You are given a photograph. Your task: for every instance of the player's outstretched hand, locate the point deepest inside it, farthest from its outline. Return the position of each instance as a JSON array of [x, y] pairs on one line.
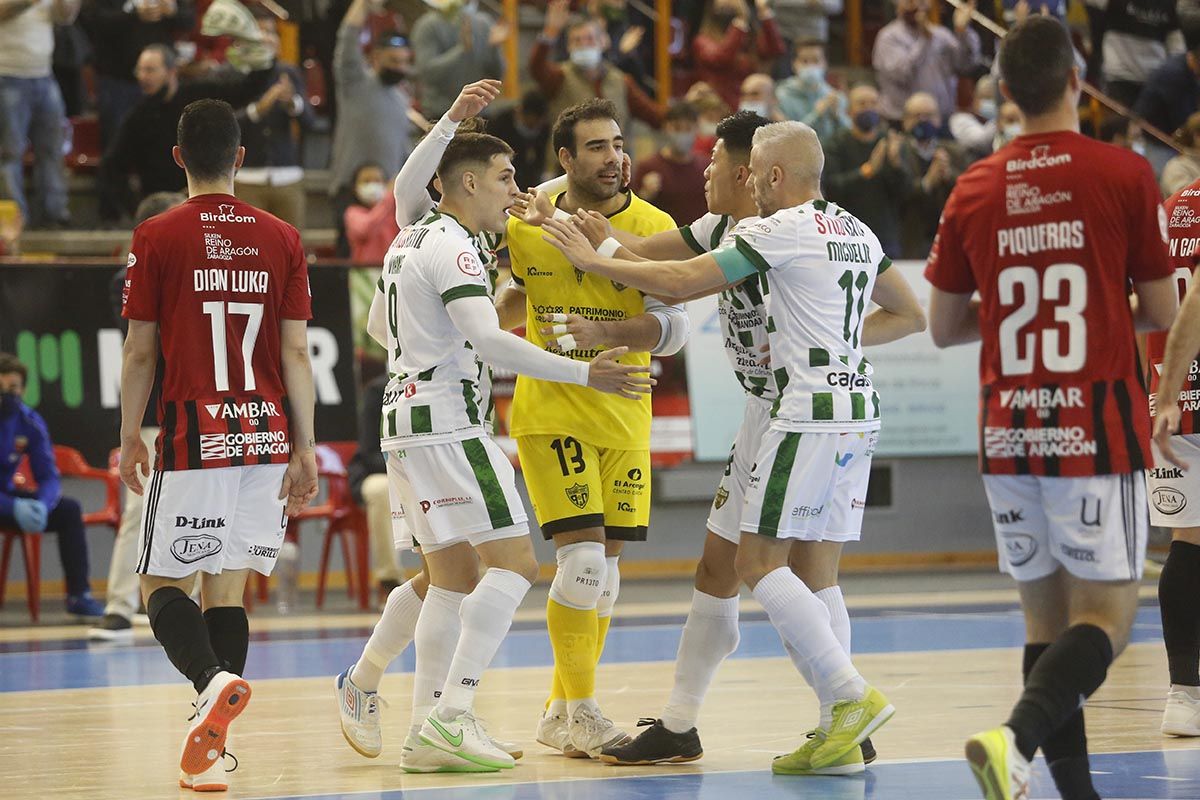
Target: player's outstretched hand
[[533, 207], [1166, 425], [135, 461], [572, 332], [627, 380], [595, 226], [473, 98], [571, 241], [299, 482]]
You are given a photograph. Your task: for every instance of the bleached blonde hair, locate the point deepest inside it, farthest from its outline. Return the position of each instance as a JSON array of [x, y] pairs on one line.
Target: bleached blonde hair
[[793, 146]]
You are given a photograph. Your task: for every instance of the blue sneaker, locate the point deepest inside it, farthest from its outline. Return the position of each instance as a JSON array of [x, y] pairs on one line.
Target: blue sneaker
[[84, 605]]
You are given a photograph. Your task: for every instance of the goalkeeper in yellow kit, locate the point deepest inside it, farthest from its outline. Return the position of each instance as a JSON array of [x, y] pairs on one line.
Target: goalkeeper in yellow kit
[[585, 456]]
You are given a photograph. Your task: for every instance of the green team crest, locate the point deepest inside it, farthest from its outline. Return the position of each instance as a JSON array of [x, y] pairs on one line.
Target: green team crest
[[578, 494]]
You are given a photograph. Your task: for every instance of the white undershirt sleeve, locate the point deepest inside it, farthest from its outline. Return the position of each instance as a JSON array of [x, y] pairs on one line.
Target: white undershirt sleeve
[[476, 318], [412, 196], [377, 319]]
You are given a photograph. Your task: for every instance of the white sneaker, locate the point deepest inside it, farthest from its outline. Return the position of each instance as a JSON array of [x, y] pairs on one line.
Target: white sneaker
[[1182, 715], [218, 705], [591, 731], [359, 711], [512, 748], [463, 737], [553, 731], [420, 757], [214, 779]]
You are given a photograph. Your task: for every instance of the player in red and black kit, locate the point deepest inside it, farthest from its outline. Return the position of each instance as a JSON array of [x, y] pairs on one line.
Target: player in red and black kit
[[222, 287], [1175, 489], [1050, 231]]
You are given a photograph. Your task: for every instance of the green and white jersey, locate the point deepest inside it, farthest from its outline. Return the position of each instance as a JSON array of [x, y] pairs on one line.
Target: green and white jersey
[[742, 308], [821, 263], [438, 390]]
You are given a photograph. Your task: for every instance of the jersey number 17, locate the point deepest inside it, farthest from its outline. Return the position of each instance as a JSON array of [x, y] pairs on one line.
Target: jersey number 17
[[216, 311]]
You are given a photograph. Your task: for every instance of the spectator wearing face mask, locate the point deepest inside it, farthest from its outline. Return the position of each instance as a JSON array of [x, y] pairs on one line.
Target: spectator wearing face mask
[[975, 130], [807, 96], [726, 48], [864, 173], [373, 103], [1184, 169], [758, 97], [1009, 124], [586, 75], [370, 219], [673, 178], [526, 128], [454, 44], [934, 164]]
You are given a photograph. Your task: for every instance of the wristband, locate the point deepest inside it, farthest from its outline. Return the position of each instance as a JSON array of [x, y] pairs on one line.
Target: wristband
[[608, 247]]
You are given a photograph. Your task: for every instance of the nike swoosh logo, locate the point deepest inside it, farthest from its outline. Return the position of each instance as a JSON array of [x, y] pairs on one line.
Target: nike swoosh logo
[[455, 741]]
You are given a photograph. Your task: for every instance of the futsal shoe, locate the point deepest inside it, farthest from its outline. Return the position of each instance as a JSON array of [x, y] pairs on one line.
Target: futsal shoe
[[999, 768], [853, 721], [419, 757], [799, 762], [113, 628], [658, 744], [463, 737], [218, 705], [591, 731], [214, 779], [554, 732], [1182, 715], [359, 711]]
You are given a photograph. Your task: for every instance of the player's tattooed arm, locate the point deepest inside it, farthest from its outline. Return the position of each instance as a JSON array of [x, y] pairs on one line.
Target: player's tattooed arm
[[953, 318], [138, 363]]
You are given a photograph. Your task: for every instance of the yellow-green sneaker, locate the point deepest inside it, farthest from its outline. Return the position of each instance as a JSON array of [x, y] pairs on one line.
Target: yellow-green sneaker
[[799, 762], [853, 721], [1000, 769]]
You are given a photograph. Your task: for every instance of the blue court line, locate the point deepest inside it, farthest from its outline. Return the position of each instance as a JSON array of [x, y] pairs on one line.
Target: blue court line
[[1147, 775], [106, 665]]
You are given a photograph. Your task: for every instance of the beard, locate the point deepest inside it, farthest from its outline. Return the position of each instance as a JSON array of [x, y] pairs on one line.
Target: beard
[[595, 189]]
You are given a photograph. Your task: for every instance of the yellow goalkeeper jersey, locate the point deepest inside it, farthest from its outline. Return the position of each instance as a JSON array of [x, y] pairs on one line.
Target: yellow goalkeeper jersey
[[554, 286]]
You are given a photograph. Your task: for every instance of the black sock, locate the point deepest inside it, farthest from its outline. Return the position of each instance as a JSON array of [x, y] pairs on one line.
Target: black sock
[[229, 633], [179, 626], [1071, 669], [1178, 589], [1065, 749]]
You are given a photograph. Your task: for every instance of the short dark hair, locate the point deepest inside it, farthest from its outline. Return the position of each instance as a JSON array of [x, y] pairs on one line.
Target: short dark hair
[[169, 56], [10, 363], [564, 126], [468, 149], [1036, 59], [737, 131], [209, 136], [681, 110], [154, 204], [534, 103]]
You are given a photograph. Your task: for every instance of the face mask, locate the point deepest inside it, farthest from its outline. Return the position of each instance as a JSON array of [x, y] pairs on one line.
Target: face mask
[[1011, 131], [812, 75], [924, 130], [8, 403], [866, 120], [390, 77], [586, 57], [370, 193], [987, 109], [755, 107], [682, 142], [1138, 147]]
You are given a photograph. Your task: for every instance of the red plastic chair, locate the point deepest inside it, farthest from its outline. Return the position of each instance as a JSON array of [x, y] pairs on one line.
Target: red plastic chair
[[31, 552], [72, 464]]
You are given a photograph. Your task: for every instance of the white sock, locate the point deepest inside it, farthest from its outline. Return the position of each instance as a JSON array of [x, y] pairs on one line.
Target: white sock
[[487, 614], [803, 622], [709, 636], [393, 633], [839, 622], [437, 634]]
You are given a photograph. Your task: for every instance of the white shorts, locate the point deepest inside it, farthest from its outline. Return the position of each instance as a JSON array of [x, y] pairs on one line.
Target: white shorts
[[212, 520], [809, 486], [725, 517], [1096, 527], [454, 492], [1175, 494]]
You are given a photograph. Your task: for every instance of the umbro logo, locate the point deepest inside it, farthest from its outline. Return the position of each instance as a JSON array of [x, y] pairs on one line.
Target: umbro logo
[[853, 718]]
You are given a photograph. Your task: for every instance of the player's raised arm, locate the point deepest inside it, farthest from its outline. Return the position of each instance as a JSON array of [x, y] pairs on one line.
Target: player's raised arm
[[696, 276], [899, 313]]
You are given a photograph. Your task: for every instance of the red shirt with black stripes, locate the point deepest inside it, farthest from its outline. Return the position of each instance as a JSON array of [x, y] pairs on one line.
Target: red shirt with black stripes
[[1183, 228], [219, 276], [1050, 231]]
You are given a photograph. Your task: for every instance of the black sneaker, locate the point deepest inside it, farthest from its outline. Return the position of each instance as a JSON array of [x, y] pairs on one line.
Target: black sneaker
[[113, 628], [655, 745], [868, 751]]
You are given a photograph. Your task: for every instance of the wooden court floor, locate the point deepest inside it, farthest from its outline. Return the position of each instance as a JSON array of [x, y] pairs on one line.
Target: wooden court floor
[[949, 670]]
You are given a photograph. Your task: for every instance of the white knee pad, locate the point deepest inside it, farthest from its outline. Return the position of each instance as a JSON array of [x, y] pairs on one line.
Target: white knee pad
[[612, 587], [581, 575]]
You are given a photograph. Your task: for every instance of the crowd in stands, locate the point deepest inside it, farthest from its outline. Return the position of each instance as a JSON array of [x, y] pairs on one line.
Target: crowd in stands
[[896, 134]]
